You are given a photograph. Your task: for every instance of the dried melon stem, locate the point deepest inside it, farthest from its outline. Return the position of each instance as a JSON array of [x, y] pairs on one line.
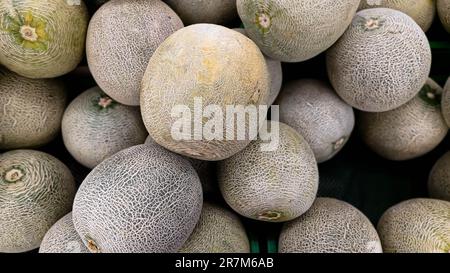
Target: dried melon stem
[[430, 95], [105, 102], [92, 246], [29, 33], [338, 144], [13, 175], [270, 215]]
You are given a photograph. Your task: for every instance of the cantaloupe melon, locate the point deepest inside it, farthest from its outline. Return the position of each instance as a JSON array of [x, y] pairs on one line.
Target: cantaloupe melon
[[31, 110], [63, 238], [439, 180], [381, 62], [422, 11], [330, 226], [36, 190], [207, 63], [121, 38], [142, 199], [446, 102], [409, 131], [273, 186], [313, 109], [95, 127], [443, 9], [296, 30], [416, 226], [204, 11], [205, 171], [217, 231], [42, 39], [275, 72]]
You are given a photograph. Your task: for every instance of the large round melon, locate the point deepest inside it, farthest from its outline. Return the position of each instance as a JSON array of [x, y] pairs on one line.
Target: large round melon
[[446, 102], [204, 11], [416, 226], [121, 38], [275, 73], [439, 180], [313, 109], [274, 186], [205, 171], [330, 226], [36, 190], [95, 127], [217, 231], [31, 110], [381, 62], [422, 11], [296, 30], [409, 131], [142, 199], [443, 9], [198, 66], [42, 39], [63, 238]]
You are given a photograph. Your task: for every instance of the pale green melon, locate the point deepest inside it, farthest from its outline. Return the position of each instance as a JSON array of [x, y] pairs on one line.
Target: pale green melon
[[409, 131], [95, 127], [204, 11], [439, 180], [42, 39], [296, 30], [446, 102], [313, 109], [31, 110], [212, 65], [275, 72], [36, 190], [443, 9], [381, 62], [142, 199], [422, 11], [63, 238], [416, 226], [271, 185], [217, 231], [121, 38], [330, 226]]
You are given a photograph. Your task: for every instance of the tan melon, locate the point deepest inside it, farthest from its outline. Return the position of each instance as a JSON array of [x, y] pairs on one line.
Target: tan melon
[[204, 11], [443, 9], [121, 38], [36, 190], [446, 102], [142, 199], [416, 226], [32, 110], [63, 238], [209, 63], [42, 39], [296, 30], [330, 226], [381, 62], [409, 131], [275, 72], [439, 180], [313, 109], [273, 186], [217, 231], [422, 11], [95, 127]]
